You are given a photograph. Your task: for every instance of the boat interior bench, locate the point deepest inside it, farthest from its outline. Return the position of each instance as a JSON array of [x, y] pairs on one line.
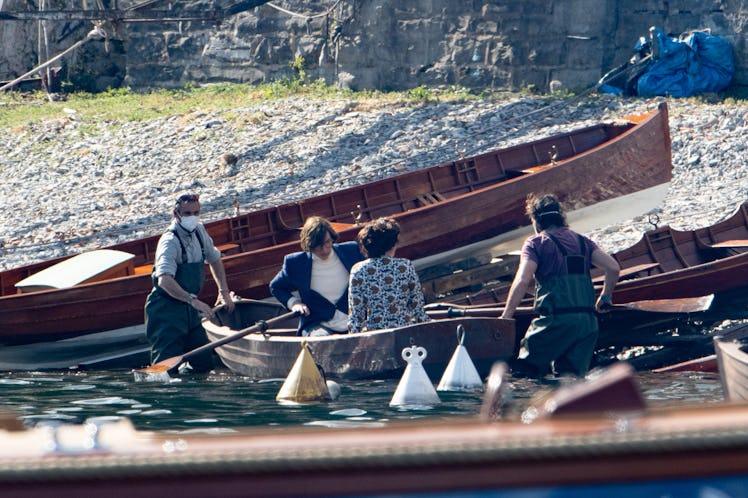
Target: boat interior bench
[[726, 244], [227, 249], [629, 272]]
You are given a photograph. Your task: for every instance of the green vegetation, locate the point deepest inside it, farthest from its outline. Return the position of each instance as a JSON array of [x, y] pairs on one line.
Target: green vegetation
[[20, 110]]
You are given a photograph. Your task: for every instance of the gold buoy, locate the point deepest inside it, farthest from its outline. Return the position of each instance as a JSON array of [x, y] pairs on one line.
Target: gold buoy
[[304, 382]]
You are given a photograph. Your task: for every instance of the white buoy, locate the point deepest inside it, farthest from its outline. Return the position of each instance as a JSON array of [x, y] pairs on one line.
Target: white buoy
[[461, 374], [415, 387], [333, 388], [304, 382]]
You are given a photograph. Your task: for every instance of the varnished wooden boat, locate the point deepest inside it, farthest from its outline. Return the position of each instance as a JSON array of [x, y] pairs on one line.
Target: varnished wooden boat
[[620, 451], [708, 362], [665, 264], [367, 355], [732, 362], [440, 208]]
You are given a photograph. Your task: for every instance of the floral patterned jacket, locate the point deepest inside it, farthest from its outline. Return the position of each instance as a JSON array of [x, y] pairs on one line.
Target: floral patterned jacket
[[384, 292]]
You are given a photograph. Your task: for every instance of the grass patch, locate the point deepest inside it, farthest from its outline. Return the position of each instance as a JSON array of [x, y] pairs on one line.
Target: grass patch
[[18, 111]]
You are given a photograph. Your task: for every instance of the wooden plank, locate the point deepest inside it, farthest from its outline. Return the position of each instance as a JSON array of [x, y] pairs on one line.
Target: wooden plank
[[631, 270], [83, 268], [339, 227], [228, 248], [728, 244], [143, 269], [440, 270], [475, 278]]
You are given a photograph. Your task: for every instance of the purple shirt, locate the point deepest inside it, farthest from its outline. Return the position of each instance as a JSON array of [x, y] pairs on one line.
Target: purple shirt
[[541, 249]]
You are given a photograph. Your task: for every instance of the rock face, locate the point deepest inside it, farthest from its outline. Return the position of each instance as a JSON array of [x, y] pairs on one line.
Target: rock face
[[370, 44]]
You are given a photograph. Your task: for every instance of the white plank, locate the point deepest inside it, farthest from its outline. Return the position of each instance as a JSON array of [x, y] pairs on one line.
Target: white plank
[[75, 270]]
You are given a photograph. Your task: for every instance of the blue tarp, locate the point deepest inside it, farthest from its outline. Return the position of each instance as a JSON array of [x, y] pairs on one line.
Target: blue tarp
[[696, 63]]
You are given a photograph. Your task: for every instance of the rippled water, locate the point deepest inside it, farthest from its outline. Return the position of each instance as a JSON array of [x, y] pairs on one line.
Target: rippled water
[[222, 401]]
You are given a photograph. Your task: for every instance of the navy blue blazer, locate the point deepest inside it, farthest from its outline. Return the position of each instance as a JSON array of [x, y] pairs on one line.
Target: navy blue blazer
[[296, 275]]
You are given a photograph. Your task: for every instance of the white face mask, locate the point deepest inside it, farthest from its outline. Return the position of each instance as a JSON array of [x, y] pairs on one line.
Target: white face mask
[[189, 223]]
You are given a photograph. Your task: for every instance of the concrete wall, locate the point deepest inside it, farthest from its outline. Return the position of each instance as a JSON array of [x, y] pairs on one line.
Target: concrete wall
[[382, 44]]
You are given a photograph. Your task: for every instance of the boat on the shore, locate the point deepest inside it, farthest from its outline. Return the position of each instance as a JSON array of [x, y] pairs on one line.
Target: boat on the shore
[[375, 354], [441, 209], [665, 264], [594, 438]]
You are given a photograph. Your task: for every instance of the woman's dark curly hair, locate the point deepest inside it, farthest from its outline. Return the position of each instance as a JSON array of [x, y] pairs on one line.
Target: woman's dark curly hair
[[545, 211], [313, 233], [378, 236]]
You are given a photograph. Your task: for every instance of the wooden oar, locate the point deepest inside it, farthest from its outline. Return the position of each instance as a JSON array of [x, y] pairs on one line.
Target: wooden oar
[[680, 305], [169, 363]]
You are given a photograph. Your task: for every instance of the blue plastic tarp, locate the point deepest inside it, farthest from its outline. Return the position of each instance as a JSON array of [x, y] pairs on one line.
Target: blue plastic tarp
[[696, 63]]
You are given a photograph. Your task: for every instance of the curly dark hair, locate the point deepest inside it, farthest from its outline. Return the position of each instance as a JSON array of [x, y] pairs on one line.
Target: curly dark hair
[[378, 236], [545, 211], [313, 233]]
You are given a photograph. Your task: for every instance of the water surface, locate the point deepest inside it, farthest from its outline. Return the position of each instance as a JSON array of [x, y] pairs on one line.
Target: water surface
[[223, 401]]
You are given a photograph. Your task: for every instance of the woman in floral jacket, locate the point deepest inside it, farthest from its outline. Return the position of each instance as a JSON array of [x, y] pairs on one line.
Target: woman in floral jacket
[[384, 291]]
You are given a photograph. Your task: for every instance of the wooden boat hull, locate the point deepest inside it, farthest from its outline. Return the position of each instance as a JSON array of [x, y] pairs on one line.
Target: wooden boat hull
[[732, 362], [618, 453], [439, 208], [708, 362], [366, 355], [665, 264]]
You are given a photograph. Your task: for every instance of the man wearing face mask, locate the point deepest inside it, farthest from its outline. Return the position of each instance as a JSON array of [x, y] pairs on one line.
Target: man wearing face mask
[[172, 310]]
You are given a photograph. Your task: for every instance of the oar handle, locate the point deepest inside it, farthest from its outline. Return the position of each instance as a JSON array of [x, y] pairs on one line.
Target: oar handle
[[261, 325]]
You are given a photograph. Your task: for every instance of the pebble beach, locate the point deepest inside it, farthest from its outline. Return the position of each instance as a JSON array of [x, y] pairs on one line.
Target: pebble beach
[[71, 185]]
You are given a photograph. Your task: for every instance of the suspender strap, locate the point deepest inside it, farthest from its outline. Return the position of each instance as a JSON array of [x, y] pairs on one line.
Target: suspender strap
[[564, 252], [184, 250]]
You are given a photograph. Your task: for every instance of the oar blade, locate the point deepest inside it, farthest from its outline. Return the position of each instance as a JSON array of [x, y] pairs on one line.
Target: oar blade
[[158, 371], [681, 305]]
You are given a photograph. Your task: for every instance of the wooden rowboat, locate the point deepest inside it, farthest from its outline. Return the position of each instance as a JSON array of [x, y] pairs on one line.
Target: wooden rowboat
[[623, 451], [366, 355], [440, 209], [732, 362], [666, 264]]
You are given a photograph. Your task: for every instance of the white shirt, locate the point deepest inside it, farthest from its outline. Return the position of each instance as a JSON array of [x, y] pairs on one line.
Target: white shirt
[[330, 280]]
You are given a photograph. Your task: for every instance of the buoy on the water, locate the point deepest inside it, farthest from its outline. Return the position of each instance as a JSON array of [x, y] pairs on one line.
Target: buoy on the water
[[415, 387], [461, 374], [304, 382], [333, 388]]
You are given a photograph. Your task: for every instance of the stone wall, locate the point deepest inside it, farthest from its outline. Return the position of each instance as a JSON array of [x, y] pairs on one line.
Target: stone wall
[[380, 44]]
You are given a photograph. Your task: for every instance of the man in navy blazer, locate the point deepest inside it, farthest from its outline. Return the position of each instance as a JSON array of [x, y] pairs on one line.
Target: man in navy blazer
[[314, 282]]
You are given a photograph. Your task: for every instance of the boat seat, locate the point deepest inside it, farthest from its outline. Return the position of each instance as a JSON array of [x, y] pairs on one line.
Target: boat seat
[[339, 227], [228, 249], [727, 244], [630, 271], [92, 266], [536, 169], [143, 269]]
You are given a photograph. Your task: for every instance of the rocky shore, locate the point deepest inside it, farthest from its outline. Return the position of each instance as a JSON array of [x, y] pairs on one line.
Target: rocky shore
[[70, 185]]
